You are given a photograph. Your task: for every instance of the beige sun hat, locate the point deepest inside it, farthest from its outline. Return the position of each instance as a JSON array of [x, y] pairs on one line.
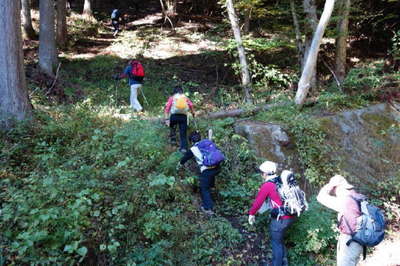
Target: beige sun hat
[[338, 180]]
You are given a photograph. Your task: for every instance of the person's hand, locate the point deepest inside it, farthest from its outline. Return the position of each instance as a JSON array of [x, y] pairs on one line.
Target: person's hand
[[167, 122], [252, 219]]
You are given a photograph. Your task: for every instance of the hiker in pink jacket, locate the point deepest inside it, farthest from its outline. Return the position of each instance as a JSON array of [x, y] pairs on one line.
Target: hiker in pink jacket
[[279, 224]]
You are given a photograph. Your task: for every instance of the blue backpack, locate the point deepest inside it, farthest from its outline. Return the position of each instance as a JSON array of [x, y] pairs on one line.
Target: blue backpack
[[370, 226], [115, 14], [212, 156]]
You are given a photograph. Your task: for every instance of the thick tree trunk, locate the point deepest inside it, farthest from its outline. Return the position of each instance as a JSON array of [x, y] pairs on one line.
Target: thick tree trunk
[[61, 23], [242, 54], [27, 29], [311, 62], [341, 40], [310, 9], [14, 103], [87, 9], [47, 38]]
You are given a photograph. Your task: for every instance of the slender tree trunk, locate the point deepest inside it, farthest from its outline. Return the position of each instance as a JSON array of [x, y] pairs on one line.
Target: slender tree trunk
[[61, 23], [341, 40], [87, 9], [242, 54], [246, 24], [171, 7], [299, 41], [311, 62], [310, 9], [27, 29], [14, 103], [47, 38]]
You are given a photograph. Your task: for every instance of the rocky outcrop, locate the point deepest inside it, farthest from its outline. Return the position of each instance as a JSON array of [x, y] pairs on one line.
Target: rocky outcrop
[[365, 143]]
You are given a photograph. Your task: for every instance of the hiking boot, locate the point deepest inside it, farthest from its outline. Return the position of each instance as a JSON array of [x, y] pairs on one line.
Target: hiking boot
[[208, 212], [183, 150]]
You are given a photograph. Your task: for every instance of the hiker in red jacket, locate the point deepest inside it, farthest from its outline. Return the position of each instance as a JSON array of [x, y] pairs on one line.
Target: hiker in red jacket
[[279, 224]]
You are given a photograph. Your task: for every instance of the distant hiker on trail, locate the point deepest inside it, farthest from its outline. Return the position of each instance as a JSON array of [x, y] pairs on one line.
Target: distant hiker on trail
[[279, 223], [176, 109], [208, 157], [135, 74], [341, 197], [115, 17]]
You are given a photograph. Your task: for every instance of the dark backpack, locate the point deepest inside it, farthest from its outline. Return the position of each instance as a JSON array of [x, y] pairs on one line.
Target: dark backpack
[[115, 14], [370, 229], [137, 72], [212, 156], [370, 225]]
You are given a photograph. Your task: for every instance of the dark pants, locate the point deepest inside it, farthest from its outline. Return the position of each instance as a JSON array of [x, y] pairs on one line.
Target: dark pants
[[277, 230], [181, 121], [207, 181], [115, 24]]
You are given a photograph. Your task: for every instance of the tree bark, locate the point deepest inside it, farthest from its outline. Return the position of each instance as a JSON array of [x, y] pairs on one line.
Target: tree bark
[[341, 40], [242, 53], [299, 41], [61, 23], [310, 9], [247, 18], [87, 9], [311, 62], [14, 103], [27, 28], [47, 40]]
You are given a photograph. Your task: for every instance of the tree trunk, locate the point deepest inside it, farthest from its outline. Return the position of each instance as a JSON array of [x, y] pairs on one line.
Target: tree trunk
[[341, 40], [246, 24], [61, 23], [87, 9], [27, 29], [310, 9], [14, 103], [299, 41], [242, 54], [47, 40], [171, 7], [311, 62]]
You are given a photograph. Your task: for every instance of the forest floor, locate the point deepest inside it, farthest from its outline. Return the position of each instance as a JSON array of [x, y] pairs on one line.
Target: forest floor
[[200, 63]]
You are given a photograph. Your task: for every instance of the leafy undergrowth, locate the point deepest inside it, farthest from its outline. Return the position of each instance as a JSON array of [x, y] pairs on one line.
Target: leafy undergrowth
[[81, 186]]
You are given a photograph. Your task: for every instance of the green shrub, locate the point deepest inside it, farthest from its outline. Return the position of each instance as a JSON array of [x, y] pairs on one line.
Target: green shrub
[[313, 233]]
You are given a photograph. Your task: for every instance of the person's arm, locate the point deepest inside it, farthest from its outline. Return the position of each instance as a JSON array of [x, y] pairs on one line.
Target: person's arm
[[326, 199], [190, 104], [126, 72], [167, 108], [186, 157], [262, 195]]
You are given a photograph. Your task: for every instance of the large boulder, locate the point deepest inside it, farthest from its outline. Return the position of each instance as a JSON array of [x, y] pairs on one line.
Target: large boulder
[[365, 142], [270, 141]]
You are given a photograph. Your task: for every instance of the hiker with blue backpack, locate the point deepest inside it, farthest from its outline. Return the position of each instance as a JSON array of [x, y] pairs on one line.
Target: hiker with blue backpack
[[135, 74], [209, 158], [361, 224], [176, 111]]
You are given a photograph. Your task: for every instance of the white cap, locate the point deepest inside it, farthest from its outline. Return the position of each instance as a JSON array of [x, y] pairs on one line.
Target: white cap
[[268, 167]]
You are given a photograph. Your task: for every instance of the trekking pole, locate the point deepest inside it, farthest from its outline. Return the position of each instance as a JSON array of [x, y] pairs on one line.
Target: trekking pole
[[144, 97]]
